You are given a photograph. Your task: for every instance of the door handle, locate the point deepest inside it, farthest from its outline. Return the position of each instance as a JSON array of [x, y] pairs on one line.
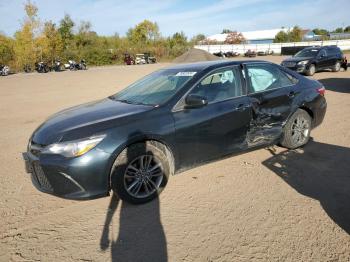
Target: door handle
[[291, 94], [241, 107]]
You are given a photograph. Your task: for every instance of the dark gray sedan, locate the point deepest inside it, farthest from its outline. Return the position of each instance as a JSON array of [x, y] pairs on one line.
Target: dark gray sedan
[[169, 121]]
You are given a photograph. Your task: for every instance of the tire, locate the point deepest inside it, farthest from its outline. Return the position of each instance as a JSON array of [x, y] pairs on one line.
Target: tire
[[296, 132], [336, 67], [132, 184], [311, 70]]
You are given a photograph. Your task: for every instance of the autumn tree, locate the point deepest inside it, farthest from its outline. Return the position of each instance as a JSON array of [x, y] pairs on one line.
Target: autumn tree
[[234, 38], [50, 42], [294, 35], [25, 47]]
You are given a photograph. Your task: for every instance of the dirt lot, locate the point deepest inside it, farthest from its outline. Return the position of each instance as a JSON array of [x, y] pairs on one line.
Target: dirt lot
[[269, 205]]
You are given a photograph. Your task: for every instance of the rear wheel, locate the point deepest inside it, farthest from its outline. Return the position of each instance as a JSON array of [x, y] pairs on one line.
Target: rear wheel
[[140, 172], [311, 71], [336, 67], [296, 132]]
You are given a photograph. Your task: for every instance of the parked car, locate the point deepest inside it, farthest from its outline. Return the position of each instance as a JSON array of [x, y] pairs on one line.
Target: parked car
[[140, 59], [264, 53], [220, 54], [128, 59], [312, 59], [4, 70], [170, 121], [231, 54], [250, 53], [149, 58]]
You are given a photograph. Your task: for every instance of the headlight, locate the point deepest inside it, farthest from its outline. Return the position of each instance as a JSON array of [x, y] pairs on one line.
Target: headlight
[[73, 148], [303, 62]]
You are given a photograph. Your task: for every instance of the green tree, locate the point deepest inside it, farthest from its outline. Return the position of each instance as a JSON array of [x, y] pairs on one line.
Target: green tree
[[347, 29], [6, 50], [50, 42], [281, 37], [339, 30], [294, 35], [226, 31], [320, 31], [197, 38], [66, 30], [178, 44], [144, 33]]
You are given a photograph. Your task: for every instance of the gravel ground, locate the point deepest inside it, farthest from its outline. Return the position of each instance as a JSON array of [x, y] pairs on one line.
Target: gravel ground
[[265, 205]]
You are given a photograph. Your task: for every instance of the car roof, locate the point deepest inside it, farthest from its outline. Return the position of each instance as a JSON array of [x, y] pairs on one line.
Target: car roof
[[323, 47], [198, 66]]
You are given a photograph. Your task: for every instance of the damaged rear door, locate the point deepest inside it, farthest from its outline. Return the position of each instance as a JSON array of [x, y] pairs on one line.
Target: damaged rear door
[[271, 92]]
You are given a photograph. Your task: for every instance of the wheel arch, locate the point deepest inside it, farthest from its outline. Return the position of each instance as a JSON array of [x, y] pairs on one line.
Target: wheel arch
[[160, 143]]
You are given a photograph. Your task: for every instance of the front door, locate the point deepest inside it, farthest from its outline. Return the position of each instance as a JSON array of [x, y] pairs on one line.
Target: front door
[[218, 128]]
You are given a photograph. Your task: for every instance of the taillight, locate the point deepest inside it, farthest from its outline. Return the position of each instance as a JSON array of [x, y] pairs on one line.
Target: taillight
[[321, 91]]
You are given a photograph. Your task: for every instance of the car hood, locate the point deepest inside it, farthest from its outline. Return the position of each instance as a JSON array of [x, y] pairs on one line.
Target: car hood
[[297, 59], [83, 120]]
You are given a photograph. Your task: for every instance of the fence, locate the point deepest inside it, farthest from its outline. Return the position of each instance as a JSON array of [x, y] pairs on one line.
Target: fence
[[275, 47]]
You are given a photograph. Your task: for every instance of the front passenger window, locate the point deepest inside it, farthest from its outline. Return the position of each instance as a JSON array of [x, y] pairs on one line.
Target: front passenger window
[[220, 85]]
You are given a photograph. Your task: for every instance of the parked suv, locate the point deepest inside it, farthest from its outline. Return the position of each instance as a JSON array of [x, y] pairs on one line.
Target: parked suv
[[312, 59]]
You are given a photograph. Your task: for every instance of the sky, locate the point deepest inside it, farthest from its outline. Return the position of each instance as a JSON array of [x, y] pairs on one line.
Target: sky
[[192, 17]]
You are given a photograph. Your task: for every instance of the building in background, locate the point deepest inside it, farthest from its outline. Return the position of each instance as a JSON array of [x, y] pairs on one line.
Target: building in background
[[252, 37], [264, 36]]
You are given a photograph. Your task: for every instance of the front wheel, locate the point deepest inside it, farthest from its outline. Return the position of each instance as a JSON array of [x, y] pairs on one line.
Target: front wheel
[[336, 67], [311, 71], [296, 132], [140, 172]]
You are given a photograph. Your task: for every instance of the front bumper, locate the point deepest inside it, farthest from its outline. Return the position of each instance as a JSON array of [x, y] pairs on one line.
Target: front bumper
[[298, 68], [84, 177]]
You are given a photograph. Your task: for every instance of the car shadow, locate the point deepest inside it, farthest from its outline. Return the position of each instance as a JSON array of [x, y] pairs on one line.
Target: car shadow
[[320, 171], [341, 85], [140, 236]]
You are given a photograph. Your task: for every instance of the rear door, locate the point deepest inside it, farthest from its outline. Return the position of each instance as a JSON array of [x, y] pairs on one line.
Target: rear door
[[218, 128], [324, 60], [271, 92]]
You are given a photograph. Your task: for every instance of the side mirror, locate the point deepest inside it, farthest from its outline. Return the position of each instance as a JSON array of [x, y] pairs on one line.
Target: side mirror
[[195, 101]]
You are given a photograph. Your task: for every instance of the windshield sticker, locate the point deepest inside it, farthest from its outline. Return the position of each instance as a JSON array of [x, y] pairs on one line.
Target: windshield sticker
[[185, 73]]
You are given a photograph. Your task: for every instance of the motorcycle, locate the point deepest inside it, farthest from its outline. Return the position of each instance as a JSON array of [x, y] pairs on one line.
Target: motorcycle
[[82, 65], [27, 68], [42, 67], [57, 66], [72, 65], [4, 70]]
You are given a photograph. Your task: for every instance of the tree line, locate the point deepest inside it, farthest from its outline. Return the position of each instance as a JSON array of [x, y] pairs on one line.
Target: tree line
[[296, 34], [46, 41]]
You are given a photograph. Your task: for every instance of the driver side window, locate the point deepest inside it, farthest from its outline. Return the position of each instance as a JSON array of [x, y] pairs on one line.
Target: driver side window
[[220, 85]]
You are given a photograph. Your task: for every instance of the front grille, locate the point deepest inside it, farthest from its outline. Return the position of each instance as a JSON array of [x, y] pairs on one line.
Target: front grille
[[289, 64], [41, 177]]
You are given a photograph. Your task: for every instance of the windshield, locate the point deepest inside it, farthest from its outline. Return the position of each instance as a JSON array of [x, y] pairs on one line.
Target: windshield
[[154, 89], [307, 53]]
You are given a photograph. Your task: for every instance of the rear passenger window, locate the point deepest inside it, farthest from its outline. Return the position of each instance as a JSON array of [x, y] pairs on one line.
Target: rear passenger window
[[266, 77]]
